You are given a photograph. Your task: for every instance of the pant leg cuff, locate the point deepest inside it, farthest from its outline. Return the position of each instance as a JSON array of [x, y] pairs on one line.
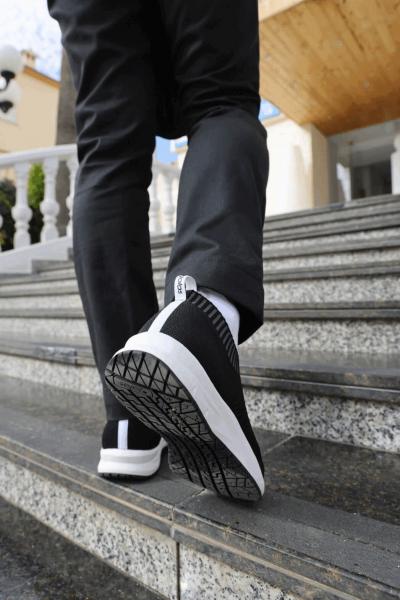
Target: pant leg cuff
[[245, 291]]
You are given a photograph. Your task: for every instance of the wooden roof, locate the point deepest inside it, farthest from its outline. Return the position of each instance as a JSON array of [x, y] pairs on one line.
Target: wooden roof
[[334, 63]]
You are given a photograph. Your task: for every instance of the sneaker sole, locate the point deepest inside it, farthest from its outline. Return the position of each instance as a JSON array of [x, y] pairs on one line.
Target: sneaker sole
[[204, 437], [139, 464]]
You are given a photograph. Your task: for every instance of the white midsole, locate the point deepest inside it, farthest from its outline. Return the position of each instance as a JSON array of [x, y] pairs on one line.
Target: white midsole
[[131, 462], [190, 372]]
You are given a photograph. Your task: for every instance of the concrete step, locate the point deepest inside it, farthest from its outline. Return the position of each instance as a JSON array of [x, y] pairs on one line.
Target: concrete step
[[321, 254], [337, 208], [333, 215], [327, 529], [370, 327], [335, 219], [353, 230], [290, 254], [375, 231], [356, 221], [368, 282], [39, 564], [318, 254], [340, 214], [351, 398]]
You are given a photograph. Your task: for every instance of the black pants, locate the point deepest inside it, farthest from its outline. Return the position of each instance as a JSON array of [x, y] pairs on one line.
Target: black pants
[[167, 67]]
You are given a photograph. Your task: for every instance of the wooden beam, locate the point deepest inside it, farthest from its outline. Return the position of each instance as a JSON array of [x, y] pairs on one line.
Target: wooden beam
[[268, 8], [333, 63]]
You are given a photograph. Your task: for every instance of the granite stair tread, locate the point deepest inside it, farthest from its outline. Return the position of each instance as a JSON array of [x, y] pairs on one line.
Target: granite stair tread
[[363, 375], [302, 310], [311, 223], [318, 248], [328, 526], [338, 207], [383, 268]]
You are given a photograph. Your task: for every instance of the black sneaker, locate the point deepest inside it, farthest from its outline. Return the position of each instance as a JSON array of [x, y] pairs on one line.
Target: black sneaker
[[129, 450], [180, 376]]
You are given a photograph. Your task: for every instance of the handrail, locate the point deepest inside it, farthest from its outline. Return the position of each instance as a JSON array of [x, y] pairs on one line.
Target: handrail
[[163, 192]]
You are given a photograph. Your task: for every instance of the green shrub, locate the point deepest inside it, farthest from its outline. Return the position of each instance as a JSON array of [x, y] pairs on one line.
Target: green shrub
[[35, 186], [35, 197], [7, 201]]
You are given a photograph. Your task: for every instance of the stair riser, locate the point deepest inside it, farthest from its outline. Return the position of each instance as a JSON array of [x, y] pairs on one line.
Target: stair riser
[[336, 335], [67, 273], [146, 554], [332, 217], [42, 327], [314, 260], [270, 247], [46, 301], [62, 277], [168, 562], [67, 284], [358, 422], [272, 243], [327, 260], [333, 238], [275, 261], [334, 289]]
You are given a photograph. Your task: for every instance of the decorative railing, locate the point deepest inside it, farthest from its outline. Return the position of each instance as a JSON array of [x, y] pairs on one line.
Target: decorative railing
[[16, 166]]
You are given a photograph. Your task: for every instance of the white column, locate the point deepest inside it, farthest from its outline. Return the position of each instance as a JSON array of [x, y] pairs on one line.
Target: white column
[[168, 208], [154, 211], [21, 212], [395, 165], [344, 183], [1, 223], [49, 206], [72, 164]]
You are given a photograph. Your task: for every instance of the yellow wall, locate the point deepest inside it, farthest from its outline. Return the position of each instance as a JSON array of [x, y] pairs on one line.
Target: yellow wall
[[267, 8], [36, 114]]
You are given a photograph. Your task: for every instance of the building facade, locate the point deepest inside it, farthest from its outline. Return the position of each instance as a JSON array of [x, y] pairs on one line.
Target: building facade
[[33, 122]]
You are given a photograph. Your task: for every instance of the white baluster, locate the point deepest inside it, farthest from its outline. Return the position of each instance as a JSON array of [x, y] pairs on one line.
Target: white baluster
[[169, 208], [154, 212], [72, 164], [344, 182], [1, 223], [21, 212], [395, 165], [49, 206]]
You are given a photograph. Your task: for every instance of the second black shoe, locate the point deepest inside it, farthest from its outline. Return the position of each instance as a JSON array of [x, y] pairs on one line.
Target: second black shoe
[[128, 449], [180, 376]]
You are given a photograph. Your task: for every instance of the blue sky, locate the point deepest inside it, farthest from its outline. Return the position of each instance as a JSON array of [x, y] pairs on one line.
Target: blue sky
[[26, 24]]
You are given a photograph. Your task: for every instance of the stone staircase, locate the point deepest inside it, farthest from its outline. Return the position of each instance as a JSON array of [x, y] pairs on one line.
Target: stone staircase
[[322, 383]]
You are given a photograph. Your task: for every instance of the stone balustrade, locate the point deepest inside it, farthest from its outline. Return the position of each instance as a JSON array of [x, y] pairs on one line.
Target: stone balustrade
[[16, 166]]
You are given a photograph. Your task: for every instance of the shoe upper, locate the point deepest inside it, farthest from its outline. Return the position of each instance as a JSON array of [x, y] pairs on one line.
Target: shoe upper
[[129, 434], [200, 327]]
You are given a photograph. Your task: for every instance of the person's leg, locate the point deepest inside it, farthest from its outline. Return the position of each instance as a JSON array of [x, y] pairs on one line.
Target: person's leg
[[221, 203], [180, 374], [110, 56]]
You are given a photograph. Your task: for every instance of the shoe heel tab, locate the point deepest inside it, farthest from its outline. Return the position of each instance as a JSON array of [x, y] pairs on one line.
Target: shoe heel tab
[[183, 284]]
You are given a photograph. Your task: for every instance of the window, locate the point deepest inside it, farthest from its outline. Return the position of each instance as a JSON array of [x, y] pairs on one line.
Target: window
[[371, 180]]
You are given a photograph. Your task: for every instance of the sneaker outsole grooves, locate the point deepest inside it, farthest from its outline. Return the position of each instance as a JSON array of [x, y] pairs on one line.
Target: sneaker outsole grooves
[[152, 393]]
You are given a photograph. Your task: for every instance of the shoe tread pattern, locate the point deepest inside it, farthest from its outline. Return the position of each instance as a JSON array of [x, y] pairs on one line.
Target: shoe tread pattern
[[153, 394]]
